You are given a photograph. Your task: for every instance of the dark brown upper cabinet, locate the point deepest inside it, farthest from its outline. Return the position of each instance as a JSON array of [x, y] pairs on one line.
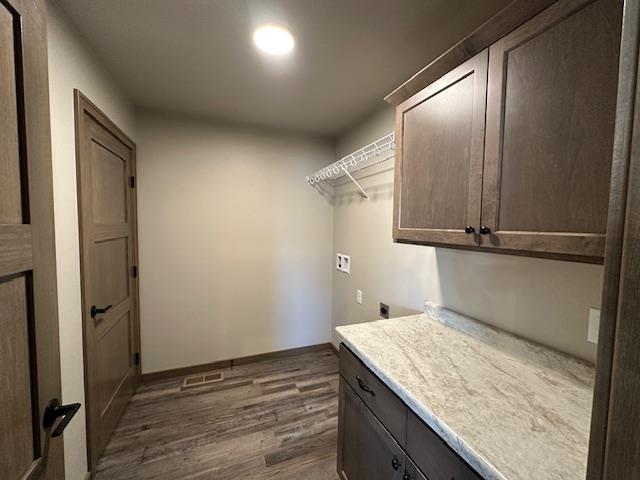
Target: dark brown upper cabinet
[[439, 155], [551, 107], [535, 179]]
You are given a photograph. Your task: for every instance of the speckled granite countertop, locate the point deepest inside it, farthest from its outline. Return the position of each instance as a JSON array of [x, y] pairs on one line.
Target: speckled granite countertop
[[514, 410]]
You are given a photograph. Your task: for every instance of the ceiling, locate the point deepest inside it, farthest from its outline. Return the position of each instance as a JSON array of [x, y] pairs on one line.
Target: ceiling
[[197, 57]]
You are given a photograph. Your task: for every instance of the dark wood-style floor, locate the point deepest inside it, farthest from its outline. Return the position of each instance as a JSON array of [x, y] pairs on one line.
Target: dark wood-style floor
[[275, 419]]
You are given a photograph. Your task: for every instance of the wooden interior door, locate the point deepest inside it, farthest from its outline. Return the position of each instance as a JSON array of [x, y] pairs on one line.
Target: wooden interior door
[[29, 344], [106, 175], [550, 121], [439, 157]]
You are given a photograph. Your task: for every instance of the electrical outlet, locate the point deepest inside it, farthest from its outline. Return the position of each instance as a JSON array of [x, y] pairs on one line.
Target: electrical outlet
[[359, 296], [384, 310], [594, 325]]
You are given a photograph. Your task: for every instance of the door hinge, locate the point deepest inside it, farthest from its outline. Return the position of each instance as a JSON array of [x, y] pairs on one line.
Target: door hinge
[[136, 358], [132, 182], [134, 271]]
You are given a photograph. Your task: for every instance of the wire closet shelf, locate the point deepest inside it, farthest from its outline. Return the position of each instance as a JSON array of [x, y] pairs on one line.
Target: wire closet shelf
[[376, 152]]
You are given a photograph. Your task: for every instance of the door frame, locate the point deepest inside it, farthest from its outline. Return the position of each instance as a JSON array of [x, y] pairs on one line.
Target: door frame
[[83, 106]]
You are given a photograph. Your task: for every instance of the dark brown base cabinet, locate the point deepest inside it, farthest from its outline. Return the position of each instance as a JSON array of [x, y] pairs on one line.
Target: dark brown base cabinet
[[511, 150], [371, 449], [367, 450]]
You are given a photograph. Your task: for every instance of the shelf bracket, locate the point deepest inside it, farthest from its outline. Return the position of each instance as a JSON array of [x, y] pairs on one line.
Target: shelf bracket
[[364, 194]]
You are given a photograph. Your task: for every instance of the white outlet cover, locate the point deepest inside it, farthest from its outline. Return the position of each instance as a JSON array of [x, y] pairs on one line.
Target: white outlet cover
[[594, 325], [359, 296]]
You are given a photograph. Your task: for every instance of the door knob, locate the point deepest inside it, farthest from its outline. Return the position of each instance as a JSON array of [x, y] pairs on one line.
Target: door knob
[[485, 230], [53, 411], [96, 311], [469, 229]]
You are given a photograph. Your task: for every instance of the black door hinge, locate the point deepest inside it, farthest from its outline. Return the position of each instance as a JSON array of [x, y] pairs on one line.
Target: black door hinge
[[134, 271], [136, 358], [132, 182]]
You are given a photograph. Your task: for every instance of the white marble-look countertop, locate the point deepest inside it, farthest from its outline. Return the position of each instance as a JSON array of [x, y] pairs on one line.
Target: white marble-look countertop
[[514, 410]]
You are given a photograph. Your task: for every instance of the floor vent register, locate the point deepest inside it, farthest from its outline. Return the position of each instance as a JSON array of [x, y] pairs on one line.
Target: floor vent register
[[201, 380]]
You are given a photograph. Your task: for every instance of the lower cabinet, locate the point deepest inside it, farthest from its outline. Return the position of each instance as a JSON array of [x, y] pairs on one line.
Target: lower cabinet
[[412, 472], [365, 449], [370, 449], [432, 456]]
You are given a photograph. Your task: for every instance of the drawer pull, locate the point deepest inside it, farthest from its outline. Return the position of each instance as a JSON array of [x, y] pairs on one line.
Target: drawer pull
[[395, 463], [364, 386]]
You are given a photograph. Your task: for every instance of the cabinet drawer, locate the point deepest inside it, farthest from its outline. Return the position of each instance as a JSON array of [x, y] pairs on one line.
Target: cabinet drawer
[[432, 456], [385, 405]]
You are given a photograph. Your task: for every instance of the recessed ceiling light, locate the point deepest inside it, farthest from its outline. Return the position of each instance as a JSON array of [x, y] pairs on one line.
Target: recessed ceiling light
[[273, 40]]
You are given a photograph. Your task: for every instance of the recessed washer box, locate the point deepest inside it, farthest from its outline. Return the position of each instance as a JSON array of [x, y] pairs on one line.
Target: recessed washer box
[[343, 263]]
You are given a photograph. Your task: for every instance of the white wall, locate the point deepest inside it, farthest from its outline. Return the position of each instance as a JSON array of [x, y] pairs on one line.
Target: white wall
[[544, 300], [71, 66], [235, 248]]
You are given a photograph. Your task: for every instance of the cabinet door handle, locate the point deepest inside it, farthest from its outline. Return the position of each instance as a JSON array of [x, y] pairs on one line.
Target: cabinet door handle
[[406, 476], [485, 230], [469, 229], [364, 386], [395, 463]]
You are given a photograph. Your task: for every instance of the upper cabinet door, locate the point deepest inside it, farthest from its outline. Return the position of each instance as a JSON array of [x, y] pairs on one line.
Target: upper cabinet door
[[550, 121], [439, 156]]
